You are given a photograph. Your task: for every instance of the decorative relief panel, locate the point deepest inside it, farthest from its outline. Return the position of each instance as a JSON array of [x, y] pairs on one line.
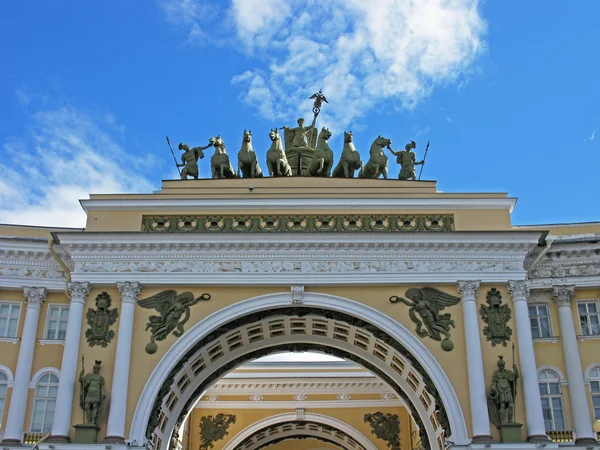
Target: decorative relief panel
[[214, 428], [100, 320], [284, 224], [386, 427], [496, 315]]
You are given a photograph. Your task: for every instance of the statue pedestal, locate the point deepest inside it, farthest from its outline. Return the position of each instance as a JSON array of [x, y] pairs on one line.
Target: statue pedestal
[[85, 434], [510, 432]]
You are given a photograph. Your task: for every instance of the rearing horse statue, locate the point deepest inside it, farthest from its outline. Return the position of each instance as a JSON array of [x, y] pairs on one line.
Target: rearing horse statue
[[220, 165], [378, 161], [276, 161], [350, 160], [247, 162], [323, 158]]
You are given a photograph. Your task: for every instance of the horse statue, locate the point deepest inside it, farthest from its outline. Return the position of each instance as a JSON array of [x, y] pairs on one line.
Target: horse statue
[[220, 165], [378, 162], [247, 161], [276, 161], [350, 160], [323, 159]]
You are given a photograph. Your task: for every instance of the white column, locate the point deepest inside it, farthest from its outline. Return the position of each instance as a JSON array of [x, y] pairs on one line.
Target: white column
[[536, 430], [34, 297], [115, 431], [477, 394], [78, 292], [563, 296]]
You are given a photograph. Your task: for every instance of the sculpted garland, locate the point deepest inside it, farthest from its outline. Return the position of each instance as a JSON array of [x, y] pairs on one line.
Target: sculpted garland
[[305, 154]]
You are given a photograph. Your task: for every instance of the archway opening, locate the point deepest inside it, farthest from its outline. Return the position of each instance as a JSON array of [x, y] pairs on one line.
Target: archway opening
[[214, 349]]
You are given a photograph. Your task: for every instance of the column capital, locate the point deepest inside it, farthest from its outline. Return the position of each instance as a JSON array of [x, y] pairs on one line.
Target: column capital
[[519, 290], [468, 290], [78, 292], [129, 291], [34, 296], [563, 295]]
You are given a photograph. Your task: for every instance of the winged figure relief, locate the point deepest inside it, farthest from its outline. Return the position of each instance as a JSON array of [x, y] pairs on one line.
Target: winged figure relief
[[172, 307], [426, 305]]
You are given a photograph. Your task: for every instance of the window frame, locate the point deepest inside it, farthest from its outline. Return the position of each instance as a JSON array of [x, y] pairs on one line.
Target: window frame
[[590, 379], [45, 399], [559, 381], [4, 396], [589, 325], [550, 328], [60, 306], [12, 304]]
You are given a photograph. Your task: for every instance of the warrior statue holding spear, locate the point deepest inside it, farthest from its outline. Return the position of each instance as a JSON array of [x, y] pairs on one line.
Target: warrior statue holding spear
[[407, 160]]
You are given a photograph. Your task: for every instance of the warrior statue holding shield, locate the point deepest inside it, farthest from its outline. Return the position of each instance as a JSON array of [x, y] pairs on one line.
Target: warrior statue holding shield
[[92, 397], [501, 398]]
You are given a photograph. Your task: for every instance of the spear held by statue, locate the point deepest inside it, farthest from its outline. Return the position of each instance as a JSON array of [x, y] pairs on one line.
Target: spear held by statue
[[424, 158], [173, 153]]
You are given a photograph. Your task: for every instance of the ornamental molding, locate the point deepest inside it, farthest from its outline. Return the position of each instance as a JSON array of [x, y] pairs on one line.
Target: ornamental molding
[[284, 259], [299, 204], [27, 262], [225, 405], [290, 224], [276, 387], [297, 294], [78, 291], [518, 290], [129, 291], [468, 290], [569, 256]]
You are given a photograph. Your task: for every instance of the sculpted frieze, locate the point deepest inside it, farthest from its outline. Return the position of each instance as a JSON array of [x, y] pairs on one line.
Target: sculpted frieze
[[560, 271], [27, 272], [292, 266], [283, 224]]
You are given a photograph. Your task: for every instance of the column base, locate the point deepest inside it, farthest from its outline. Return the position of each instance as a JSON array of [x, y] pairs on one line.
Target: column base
[[586, 441], [11, 442], [113, 440], [482, 439], [538, 438], [58, 439]]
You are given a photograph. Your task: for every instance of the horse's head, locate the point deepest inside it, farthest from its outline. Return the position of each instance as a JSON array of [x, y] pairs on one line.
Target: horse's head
[[348, 137], [274, 134], [217, 141], [247, 136], [382, 142], [325, 133]]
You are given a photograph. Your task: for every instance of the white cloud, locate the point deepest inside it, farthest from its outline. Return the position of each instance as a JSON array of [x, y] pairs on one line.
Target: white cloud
[[591, 138], [364, 55], [66, 155]]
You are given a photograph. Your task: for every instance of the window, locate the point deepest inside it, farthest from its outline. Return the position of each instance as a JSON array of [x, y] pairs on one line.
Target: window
[[588, 317], [539, 316], [44, 403], [9, 319], [595, 391], [552, 405], [56, 324], [3, 388]]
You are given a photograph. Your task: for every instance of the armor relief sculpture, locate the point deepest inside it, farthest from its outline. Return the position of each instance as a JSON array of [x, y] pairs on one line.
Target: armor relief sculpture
[[496, 316], [385, 426], [214, 428], [501, 401], [100, 320], [425, 307], [172, 307]]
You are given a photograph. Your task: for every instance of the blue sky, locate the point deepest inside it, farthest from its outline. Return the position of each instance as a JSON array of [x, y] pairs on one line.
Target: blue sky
[[508, 92]]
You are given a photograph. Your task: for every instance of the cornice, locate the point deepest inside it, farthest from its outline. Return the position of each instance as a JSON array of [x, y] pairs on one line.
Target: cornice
[[277, 387], [298, 204], [307, 404], [275, 259]]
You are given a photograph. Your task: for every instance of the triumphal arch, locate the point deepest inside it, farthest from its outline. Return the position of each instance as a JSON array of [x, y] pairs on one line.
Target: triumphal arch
[[149, 327]]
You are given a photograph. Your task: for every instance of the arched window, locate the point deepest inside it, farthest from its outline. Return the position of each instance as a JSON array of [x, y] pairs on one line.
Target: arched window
[[594, 378], [3, 388], [552, 403], [44, 403]]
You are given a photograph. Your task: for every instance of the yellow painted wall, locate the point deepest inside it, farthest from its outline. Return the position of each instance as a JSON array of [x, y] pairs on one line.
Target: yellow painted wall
[[351, 416]]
